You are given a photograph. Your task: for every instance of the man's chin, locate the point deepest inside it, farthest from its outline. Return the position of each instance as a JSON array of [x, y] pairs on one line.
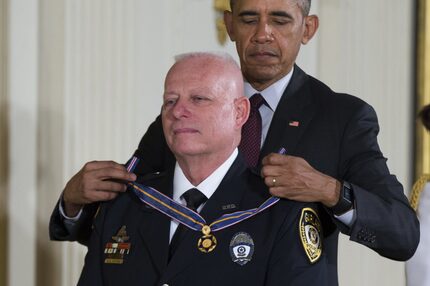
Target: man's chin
[[186, 151], [263, 75]]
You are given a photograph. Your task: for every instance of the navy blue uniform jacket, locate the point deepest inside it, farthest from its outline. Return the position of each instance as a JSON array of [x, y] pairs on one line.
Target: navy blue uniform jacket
[[278, 255]]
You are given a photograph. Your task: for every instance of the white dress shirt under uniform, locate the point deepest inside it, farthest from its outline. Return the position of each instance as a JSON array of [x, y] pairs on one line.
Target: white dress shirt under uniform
[[207, 187]]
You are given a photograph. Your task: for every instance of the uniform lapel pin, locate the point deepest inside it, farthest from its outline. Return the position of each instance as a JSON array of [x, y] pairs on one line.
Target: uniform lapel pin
[[228, 207]]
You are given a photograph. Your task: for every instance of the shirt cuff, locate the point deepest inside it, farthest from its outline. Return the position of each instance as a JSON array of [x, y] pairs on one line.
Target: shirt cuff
[[347, 218], [63, 213]]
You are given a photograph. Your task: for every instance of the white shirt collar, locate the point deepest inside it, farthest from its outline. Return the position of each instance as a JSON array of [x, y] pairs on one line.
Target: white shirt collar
[[208, 186], [273, 93]]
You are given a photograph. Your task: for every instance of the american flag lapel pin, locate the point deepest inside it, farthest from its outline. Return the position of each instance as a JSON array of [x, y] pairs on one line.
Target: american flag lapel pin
[[294, 123]]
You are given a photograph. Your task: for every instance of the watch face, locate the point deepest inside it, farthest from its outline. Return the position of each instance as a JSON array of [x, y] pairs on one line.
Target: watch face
[[347, 192], [345, 202]]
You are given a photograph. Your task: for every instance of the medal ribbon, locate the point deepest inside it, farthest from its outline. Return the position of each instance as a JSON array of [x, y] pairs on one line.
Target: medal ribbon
[[184, 215], [188, 217]]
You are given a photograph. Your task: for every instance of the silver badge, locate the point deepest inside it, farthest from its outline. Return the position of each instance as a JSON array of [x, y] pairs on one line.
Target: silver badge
[[241, 248]]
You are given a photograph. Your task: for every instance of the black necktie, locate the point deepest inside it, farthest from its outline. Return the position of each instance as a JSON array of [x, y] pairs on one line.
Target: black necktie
[[194, 199], [251, 132]]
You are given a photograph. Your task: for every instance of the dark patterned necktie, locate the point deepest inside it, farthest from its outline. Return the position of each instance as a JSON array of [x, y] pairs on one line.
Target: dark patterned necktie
[[194, 199], [251, 132]]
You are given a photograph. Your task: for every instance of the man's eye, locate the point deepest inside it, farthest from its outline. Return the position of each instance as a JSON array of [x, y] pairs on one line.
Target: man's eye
[[280, 21], [249, 20], [169, 102], [199, 98]]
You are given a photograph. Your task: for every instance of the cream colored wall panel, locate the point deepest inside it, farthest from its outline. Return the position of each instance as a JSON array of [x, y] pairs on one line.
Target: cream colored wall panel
[[22, 94], [50, 137], [309, 53], [3, 143], [101, 98]]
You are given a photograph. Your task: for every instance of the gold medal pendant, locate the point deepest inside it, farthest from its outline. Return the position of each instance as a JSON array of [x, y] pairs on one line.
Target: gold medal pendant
[[207, 242]]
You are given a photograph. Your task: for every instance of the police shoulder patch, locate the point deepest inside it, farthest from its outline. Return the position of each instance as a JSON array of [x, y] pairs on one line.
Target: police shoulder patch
[[310, 230]]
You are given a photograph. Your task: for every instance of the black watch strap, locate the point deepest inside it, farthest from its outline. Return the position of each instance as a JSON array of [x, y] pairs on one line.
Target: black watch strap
[[346, 200]]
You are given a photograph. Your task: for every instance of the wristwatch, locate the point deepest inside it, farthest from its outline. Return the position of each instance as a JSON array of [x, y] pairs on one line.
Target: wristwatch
[[346, 200]]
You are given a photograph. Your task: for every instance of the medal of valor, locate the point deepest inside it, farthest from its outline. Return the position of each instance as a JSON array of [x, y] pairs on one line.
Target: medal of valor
[[207, 242], [194, 220], [190, 218]]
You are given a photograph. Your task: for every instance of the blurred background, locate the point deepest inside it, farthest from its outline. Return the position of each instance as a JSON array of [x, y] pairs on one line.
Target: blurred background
[[81, 80]]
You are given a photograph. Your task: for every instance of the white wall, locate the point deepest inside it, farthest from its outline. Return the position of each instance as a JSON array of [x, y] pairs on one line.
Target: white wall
[[98, 84], [22, 83], [3, 142]]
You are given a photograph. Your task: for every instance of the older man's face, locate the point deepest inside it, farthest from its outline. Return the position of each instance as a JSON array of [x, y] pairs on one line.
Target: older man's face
[[198, 111], [268, 36]]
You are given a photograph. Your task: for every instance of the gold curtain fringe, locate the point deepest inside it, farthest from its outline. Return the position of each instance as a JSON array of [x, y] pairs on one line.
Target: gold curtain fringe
[[220, 6], [417, 189]]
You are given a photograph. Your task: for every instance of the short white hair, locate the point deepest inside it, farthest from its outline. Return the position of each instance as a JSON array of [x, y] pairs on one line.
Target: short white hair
[[220, 56]]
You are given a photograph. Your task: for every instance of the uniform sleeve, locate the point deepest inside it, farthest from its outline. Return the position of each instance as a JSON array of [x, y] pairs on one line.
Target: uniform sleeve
[[385, 222]]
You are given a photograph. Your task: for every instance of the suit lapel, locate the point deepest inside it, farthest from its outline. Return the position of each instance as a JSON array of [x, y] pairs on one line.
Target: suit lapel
[[291, 117], [226, 199]]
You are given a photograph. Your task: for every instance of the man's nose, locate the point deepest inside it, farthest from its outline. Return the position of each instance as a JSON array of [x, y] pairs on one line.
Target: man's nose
[[180, 109], [263, 33]]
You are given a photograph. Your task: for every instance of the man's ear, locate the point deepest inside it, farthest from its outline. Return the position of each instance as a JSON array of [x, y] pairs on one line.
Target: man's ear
[[228, 21], [311, 27], [242, 107]]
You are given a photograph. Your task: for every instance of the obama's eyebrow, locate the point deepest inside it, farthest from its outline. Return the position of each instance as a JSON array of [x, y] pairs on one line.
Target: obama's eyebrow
[[273, 13], [281, 14]]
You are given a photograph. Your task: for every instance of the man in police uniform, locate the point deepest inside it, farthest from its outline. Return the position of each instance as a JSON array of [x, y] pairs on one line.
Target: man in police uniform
[[279, 243], [331, 141]]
